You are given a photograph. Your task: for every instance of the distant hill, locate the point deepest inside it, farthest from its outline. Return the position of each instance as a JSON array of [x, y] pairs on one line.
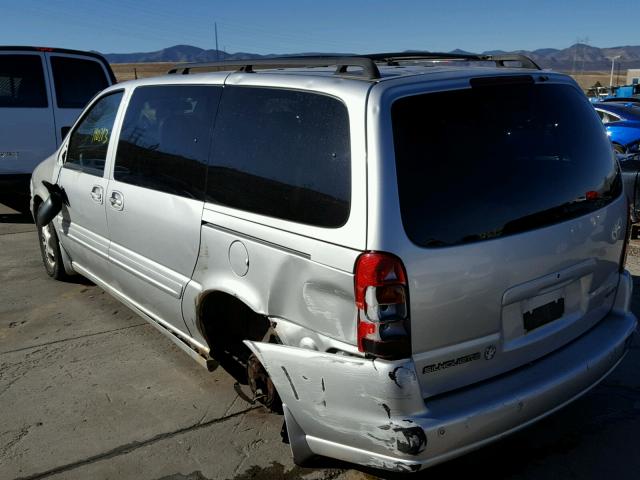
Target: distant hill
[[188, 53], [581, 57], [578, 57]]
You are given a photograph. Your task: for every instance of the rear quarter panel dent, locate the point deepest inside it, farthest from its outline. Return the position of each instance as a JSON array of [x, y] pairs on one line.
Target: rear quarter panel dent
[[278, 283]]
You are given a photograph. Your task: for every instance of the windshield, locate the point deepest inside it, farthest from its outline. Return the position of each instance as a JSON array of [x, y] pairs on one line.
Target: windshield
[[498, 159]]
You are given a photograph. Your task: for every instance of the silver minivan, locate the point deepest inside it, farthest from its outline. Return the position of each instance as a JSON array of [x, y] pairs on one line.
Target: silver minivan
[[42, 92], [411, 255]]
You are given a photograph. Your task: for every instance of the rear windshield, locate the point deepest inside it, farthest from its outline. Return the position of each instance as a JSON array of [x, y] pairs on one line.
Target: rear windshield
[[495, 160]]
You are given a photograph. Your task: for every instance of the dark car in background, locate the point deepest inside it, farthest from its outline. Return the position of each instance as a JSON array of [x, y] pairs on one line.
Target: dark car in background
[[630, 168], [621, 99]]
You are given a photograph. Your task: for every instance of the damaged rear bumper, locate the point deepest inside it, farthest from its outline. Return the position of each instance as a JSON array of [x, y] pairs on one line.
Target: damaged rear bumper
[[371, 412]]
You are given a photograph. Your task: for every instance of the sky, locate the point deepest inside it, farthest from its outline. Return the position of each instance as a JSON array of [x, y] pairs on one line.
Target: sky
[[290, 26]]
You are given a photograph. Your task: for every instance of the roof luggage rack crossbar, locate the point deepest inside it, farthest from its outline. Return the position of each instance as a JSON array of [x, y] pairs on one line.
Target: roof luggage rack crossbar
[[366, 62], [525, 61], [499, 60]]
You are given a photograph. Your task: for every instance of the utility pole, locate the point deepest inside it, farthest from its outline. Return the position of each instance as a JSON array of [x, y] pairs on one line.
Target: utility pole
[[584, 51], [575, 56], [215, 26], [613, 61]]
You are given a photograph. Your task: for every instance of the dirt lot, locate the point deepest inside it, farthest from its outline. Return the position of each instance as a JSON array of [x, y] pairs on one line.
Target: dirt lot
[[89, 390], [129, 71]]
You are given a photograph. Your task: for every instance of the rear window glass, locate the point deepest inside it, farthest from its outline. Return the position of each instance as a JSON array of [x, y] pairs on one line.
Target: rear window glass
[[77, 80], [284, 154], [165, 139], [22, 82], [495, 160]]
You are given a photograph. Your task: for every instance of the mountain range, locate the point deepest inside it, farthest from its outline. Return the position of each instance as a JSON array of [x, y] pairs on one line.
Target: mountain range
[[576, 58]]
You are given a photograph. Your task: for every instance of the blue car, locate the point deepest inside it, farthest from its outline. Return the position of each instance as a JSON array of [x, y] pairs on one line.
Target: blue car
[[622, 121]]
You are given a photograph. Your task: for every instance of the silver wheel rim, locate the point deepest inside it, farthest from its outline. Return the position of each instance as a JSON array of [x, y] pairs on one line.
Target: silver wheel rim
[[48, 246]]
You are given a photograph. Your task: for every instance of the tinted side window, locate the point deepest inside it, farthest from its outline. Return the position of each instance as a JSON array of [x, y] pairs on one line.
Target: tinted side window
[[89, 141], [284, 154], [165, 138], [76, 80], [22, 82]]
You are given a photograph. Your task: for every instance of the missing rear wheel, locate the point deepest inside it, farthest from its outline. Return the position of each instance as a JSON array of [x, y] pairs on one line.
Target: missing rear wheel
[[261, 385]]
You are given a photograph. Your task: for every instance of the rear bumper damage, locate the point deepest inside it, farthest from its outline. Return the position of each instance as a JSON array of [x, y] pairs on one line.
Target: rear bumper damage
[[371, 412]]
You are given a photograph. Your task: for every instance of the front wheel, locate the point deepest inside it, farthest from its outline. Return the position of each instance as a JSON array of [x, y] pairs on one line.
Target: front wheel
[[50, 251]]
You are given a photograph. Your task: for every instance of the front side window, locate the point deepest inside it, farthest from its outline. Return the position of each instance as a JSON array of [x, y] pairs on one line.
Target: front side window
[[22, 82], [77, 80], [89, 141], [165, 139], [284, 154], [498, 159]]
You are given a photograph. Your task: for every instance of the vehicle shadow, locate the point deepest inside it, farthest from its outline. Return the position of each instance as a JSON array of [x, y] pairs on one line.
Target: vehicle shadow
[[78, 280], [18, 203], [635, 299], [18, 218]]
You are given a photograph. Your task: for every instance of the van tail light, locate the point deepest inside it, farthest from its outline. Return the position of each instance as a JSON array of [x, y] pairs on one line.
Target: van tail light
[[382, 300]]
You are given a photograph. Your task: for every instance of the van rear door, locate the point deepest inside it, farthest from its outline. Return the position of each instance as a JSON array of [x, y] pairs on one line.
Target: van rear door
[[75, 79], [511, 201], [26, 126]]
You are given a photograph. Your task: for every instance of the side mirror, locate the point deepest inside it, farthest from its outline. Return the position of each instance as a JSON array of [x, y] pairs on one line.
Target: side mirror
[[52, 205]]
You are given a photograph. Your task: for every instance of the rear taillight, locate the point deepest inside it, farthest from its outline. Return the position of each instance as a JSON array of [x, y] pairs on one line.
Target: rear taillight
[[382, 299]]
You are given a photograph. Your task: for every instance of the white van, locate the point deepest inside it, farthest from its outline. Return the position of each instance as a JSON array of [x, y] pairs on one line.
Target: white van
[[42, 92]]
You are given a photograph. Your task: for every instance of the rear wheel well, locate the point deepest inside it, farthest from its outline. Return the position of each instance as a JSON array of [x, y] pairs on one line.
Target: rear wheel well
[[225, 321]]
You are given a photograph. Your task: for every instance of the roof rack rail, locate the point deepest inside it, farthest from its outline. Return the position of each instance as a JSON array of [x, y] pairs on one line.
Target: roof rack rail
[[367, 63], [369, 69]]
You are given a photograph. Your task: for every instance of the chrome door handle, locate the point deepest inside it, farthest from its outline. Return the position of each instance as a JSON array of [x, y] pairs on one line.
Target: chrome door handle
[[116, 200], [96, 194]]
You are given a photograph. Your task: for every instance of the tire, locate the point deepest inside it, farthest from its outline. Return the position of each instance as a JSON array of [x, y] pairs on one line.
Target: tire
[[50, 251]]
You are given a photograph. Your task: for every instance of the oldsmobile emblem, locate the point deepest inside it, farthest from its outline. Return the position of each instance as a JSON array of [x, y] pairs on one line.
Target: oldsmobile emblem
[[489, 352], [615, 232]]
